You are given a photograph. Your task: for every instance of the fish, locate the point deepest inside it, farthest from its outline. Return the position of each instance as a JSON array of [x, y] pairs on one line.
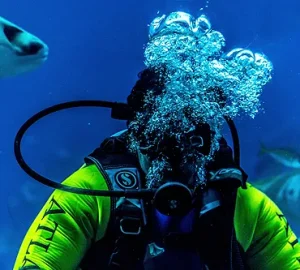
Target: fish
[[284, 190], [285, 156], [20, 51]]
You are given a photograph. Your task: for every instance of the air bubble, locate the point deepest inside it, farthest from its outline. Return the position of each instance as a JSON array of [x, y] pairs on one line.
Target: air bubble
[[206, 5], [192, 53]]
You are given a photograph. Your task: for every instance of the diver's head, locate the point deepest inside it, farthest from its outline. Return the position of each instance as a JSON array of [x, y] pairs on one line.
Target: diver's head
[[183, 142], [150, 81], [149, 87], [181, 98]]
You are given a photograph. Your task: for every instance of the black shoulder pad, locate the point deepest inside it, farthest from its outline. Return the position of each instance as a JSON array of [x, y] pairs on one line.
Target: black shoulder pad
[[113, 153]]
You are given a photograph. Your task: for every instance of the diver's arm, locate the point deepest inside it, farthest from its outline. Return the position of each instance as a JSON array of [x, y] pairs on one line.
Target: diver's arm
[[66, 226], [274, 245]]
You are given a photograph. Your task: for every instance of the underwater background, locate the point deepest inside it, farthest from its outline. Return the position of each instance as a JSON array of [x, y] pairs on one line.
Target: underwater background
[[96, 50]]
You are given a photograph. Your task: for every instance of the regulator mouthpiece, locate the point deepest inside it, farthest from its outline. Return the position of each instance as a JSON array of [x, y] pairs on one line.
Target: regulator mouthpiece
[[173, 199]]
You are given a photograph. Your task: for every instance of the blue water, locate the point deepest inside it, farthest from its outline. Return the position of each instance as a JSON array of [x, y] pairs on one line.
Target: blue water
[[96, 50]]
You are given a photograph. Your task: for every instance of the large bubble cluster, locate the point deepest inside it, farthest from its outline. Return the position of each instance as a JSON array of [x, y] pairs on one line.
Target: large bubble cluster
[[192, 53]]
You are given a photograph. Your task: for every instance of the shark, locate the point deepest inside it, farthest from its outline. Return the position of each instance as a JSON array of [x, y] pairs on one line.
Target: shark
[[20, 51]]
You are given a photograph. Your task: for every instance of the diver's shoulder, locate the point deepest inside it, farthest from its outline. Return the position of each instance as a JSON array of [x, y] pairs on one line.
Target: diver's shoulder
[[87, 176], [251, 195], [250, 204], [254, 200], [250, 190]]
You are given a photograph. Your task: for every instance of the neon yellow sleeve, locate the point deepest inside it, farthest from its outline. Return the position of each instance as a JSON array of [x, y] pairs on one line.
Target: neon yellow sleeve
[[66, 226], [264, 232]]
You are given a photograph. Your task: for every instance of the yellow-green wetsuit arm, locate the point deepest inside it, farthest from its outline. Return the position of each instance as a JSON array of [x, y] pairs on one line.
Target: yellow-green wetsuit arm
[[67, 225], [264, 232]]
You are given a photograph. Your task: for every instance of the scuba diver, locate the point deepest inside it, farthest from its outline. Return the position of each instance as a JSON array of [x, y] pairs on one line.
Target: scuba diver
[[176, 195]]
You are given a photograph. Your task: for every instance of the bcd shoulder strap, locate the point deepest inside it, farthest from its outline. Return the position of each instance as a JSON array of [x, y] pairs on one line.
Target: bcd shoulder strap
[[121, 170]]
